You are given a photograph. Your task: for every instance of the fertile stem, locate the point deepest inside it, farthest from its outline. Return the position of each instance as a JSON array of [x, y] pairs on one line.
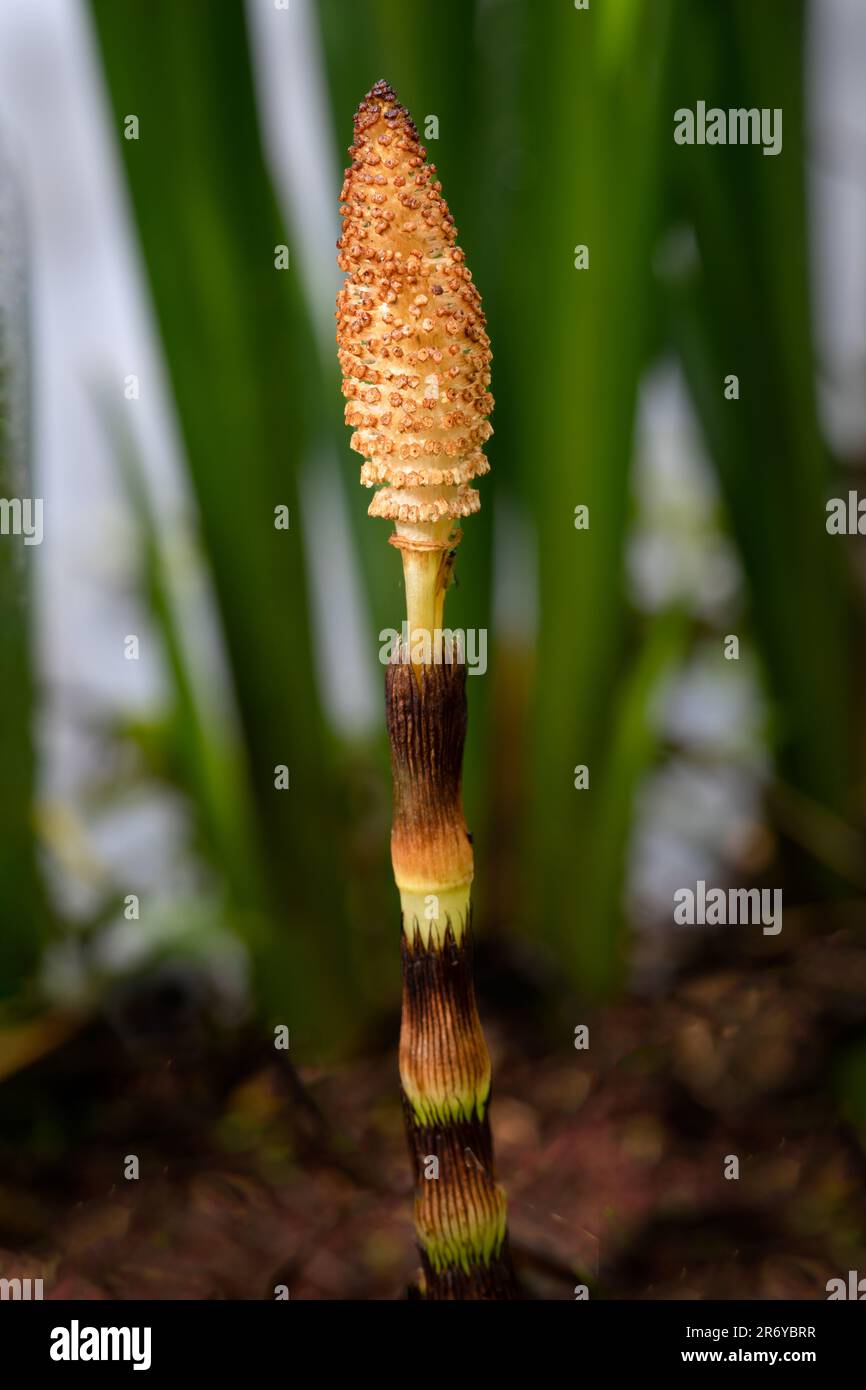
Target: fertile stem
[[415, 358]]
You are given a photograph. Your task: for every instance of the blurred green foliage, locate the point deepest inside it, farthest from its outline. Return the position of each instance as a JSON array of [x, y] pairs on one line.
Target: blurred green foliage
[[239, 352], [22, 903], [596, 131], [742, 305]]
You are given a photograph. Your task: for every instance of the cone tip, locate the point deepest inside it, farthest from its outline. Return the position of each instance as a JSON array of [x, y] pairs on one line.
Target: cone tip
[[371, 107]]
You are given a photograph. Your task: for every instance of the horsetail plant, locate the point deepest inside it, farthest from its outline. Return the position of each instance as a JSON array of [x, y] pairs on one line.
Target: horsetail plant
[[415, 359]]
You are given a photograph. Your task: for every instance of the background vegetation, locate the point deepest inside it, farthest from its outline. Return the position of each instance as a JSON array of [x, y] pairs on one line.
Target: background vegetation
[[554, 129]]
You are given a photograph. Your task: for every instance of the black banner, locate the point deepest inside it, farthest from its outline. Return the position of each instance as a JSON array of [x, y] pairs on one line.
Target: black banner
[[153, 1338]]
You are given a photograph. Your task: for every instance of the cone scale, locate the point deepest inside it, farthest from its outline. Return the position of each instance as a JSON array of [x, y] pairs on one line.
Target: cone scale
[[415, 359]]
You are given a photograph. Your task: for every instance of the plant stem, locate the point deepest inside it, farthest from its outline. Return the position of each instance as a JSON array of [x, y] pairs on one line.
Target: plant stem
[[444, 1062], [416, 371]]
